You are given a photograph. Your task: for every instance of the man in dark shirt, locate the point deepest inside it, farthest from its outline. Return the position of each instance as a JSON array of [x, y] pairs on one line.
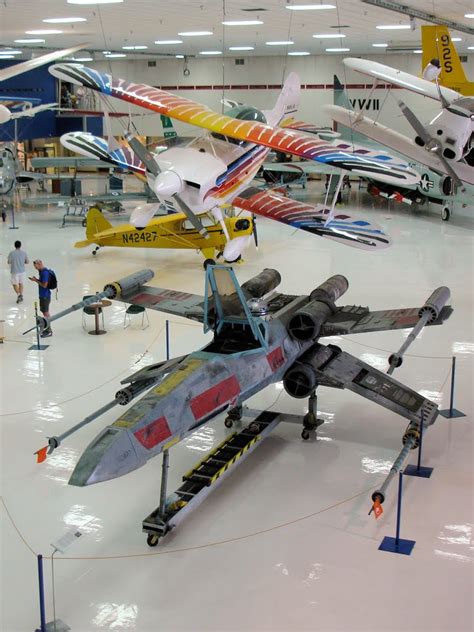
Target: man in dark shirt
[[44, 292]]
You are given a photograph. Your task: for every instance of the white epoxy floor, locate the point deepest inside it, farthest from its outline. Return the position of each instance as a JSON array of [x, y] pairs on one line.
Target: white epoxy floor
[[285, 543]]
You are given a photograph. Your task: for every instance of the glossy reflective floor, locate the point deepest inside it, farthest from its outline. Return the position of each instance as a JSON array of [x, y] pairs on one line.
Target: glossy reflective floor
[[285, 543]]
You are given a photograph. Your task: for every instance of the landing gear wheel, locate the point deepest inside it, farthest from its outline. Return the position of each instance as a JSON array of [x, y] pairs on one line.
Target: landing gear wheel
[[84, 223], [254, 427], [152, 539], [228, 423], [208, 262], [445, 214], [94, 252], [305, 434]]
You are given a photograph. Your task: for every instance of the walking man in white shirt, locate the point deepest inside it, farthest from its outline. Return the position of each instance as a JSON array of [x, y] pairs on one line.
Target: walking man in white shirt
[[17, 260]]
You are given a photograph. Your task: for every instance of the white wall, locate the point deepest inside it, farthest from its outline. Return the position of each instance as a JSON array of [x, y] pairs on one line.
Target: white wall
[[270, 70]]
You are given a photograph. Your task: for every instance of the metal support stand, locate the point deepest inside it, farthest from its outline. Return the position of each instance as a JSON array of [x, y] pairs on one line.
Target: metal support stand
[[164, 482], [419, 470], [37, 346], [451, 412], [397, 544], [13, 226], [167, 339]]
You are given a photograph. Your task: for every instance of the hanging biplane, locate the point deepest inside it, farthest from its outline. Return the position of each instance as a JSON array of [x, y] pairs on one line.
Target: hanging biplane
[[214, 169]]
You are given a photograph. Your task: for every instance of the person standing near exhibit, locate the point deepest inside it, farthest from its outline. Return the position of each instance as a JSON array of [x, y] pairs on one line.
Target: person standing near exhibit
[[17, 260], [44, 292]]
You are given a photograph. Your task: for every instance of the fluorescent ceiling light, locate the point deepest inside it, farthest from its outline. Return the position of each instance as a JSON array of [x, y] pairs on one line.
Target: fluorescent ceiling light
[[210, 52], [288, 43], [134, 47], [93, 1], [7, 56], [30, 41], [195, 33], [298, 53], [380, 45], [309, 7], [469, 15], [43, 32], [456, 39], [337, 50], [418, 51], [179, 56], [83, 59], [328, 35], [111, 55], [470, 47], [242, 22], [64, 20], [393, 27], [167, 42], [241, 47], [8, 51], [106, 52]]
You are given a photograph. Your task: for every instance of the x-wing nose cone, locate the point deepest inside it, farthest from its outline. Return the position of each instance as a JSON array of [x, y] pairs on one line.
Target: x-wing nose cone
[[167, 184], [110, 454]]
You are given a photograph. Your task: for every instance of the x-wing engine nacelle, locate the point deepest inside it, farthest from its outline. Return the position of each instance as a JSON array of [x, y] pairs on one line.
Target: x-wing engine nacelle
[[301, 379], [306, 323]]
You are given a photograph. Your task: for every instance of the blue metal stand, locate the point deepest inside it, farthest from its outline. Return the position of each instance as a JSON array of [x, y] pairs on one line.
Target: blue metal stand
[[37, 346], [397, 544], [42, 627], [451, 412], [419, 470], [167, 339]]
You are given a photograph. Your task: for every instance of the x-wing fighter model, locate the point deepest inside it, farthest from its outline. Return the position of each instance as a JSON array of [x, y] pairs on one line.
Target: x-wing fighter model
[[441, 58], [444, 144], [259, 337], [211, 171]]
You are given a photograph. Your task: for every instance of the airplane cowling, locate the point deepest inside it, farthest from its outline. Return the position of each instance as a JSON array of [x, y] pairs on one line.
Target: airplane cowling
[[5, 114]]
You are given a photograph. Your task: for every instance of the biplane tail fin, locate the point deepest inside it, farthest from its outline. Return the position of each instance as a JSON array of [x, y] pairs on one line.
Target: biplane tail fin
[[436, 43], [288, 100]]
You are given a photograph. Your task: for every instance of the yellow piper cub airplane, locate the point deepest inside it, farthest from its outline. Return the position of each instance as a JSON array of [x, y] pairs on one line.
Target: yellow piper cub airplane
[[167, 231]]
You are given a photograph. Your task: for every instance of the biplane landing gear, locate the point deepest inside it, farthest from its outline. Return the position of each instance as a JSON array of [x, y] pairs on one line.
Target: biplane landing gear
[[234, 415], [310, 420]]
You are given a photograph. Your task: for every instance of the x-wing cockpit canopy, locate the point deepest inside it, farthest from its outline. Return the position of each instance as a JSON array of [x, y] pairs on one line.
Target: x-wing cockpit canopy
[[226, 312]]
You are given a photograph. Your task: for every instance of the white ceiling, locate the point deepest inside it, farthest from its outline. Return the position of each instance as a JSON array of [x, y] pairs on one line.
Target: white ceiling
[[141, 22]]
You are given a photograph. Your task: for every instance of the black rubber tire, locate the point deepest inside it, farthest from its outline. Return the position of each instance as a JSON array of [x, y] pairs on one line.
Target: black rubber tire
[[445, 214], [152, 539], [208, 262], [228, 423], [305, 434]]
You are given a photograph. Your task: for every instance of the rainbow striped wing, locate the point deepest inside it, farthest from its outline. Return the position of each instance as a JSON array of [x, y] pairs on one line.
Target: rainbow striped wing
[[360, 160], [92, 146], [343, 227]]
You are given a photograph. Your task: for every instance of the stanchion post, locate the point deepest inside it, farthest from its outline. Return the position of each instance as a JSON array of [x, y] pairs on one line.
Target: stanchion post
[[451, 412], [42, 627], [398, 544], [167, 339]]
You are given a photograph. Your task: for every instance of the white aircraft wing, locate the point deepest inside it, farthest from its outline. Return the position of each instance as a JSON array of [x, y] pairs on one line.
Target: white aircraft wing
[[395, 141], [18, 69], [30, 112], [387, 74]]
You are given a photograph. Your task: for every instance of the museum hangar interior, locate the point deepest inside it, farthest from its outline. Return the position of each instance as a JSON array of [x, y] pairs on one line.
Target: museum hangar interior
[[202, 204]]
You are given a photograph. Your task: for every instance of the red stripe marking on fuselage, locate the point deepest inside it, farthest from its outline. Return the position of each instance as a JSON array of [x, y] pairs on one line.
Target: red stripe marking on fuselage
[[276, 358], [153, 433], [212, 399]]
